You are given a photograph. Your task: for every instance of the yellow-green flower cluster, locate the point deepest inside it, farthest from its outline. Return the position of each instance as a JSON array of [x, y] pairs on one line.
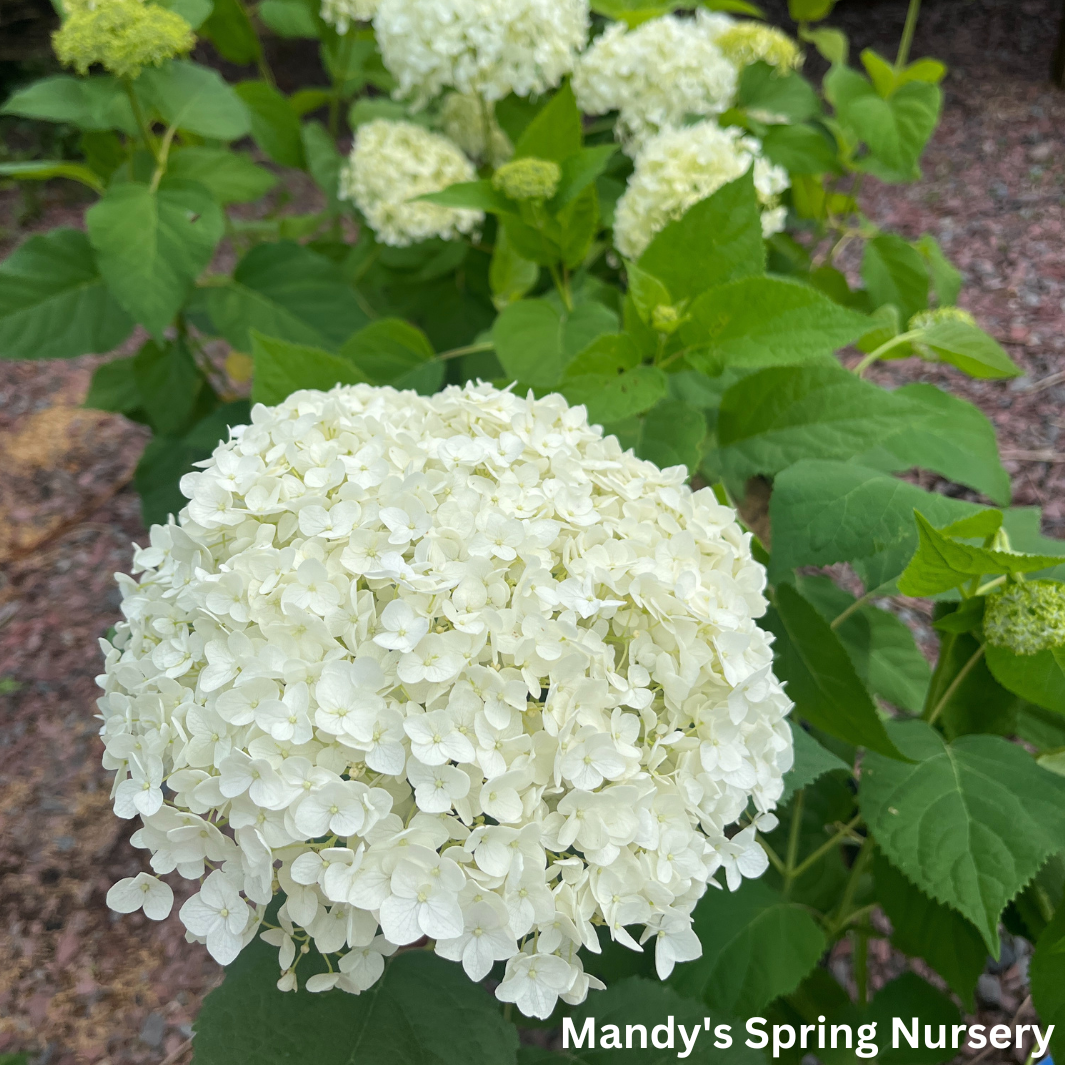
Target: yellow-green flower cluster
[[937, 315], [748, 42], [528, 179], [1026, 618], [123, 36]]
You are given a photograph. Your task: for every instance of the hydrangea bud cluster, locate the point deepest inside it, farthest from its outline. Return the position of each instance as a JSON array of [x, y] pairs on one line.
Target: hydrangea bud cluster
[[528, 178], [453, 667], [1027, 617], [471, 123], [392, 163], [656, 75], [340, 14], [488, 47], [677, 168], [746, 41], [123, 36]]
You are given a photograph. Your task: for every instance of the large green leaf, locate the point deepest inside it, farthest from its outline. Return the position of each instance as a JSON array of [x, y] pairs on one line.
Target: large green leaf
[[54, 303], [608, 379], [1039, 678], [555, 132], [404, 1018], [765, 88], [1047, 979], [393, 352], [230, 177], [114, 388], [894, 272], [169, 385], [195, 99], [274, 125], [820, 676], [718, 239], [812, 761], [970, 822], [927, 929], [882, 648], [230, 30], [756, 946], [287, 291], [970, 349], [767, 321], [942, 563], [783, 414], [151, 246], [96, 103], [825, 512], [673, 433], [282, 368], [947, 435]]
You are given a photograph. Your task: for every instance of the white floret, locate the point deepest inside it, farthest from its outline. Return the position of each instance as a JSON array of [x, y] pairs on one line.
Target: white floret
[[511, 694], [340, 14]]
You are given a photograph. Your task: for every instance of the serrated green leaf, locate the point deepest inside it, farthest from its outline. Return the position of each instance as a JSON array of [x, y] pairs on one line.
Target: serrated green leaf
[[282, 368], [230, 177], [718, 239], [820, 676], [825, 512], [393, 352], [274, 125], [95, 103], [924, 928], [195, 99], [766, 321], [942, 563], [287, 291], [1039, 678], [673, 434], [894, 272], [54, 303], [151, 246], [970, 349], [555, 132], [812, 761], [398, 1021], [970, 822], [1046, 975], [756, 947]]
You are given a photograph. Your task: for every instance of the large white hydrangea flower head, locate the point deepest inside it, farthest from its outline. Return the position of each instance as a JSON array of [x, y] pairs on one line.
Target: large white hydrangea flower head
[[656, 75], [453, 667], [392, 163], [679, 167], [488, 47]]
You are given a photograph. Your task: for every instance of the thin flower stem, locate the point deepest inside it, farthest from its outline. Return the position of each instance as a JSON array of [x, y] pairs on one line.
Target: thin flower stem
[[955, 684], [142, 122], [772, 855], [469, 349], [844, 913], [907, 35], [985, 588], [884, 348], [793, 840], [161, 158], [844, 833], [843, 615]]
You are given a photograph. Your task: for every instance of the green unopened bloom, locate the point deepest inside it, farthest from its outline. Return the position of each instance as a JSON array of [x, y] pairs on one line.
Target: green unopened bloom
[[1026, 618], [123, 36], [528, 179], [665, 318], [746, 42], [937, 316]]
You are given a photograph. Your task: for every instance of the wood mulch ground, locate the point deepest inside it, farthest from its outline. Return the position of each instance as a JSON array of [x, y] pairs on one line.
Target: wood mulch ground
[[81, 985]]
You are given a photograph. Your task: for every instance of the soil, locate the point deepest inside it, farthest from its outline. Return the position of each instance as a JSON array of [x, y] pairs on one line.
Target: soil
[[79, 984]]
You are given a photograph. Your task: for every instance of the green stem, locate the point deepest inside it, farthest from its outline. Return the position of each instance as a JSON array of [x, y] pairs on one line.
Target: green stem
[[142, 122], [846, 831], [793, 840], [161, 158], [985, 588], [843, 615], [907, 34], [894, 342], [563, 287], [955, 684], [469, 349], [844, 912], [861, 964], [772, 855]]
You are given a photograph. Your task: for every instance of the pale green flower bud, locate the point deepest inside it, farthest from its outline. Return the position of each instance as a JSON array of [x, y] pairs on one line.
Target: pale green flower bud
[[924, 319], [123, 36], [746, 42], [665, 318], [1026, 618], [528, 179]]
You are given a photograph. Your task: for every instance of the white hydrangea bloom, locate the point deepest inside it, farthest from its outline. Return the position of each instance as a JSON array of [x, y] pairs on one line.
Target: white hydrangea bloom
[[452, 667], [656, 75], [340, 14], [390, 164], [677, 168], [488, 47], [466, 119]]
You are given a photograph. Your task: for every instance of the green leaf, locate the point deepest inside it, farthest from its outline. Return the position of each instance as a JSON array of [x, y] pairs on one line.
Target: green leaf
[[45, 170], [274, 125], [942, 563], [390, 351], [767, 321], [646, 291], [673, 434], [96, 103], [820, 676], [973, 701], [475, 195], [1046, 975], [289, 18], [718, 239], [800, 149], [230, 30], [812, 761], [764, 88], [555, 132], [948, 435], [924, 928], [970, 349], [323, 160], [782, 414], [287, 291], [230, 177], [825, 512], [151, 246], [114, 388], [53, 301], [195, 99], [194, 12], [946, 279], [398, 1021], [881, 646], [970, 822], [608, 379], [282, 368], [810, 10], [756, 947], [509, 275], [1039, 678], [894, 272], [169, 385], [579, 172], [829, 42]]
